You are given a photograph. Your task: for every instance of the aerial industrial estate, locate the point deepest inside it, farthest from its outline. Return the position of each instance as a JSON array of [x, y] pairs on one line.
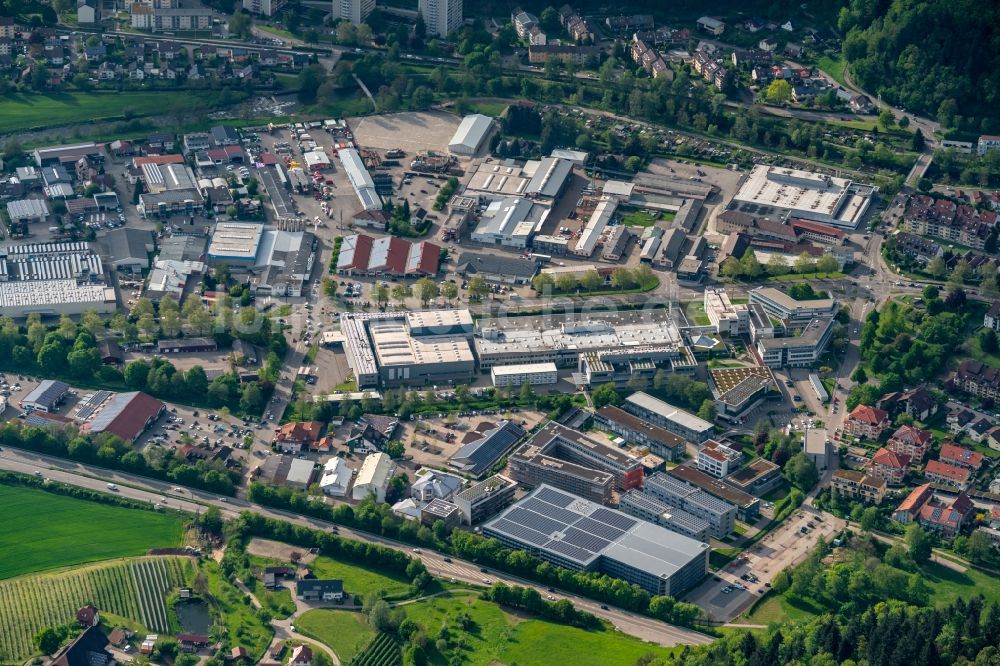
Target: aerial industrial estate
[[377, 334]]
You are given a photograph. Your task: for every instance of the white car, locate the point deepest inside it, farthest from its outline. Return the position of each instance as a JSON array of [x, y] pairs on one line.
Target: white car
[[112, 486]]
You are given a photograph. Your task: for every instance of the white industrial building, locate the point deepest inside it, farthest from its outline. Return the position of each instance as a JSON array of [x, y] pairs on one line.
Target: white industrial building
[[235, 242], [535, 374], [373, 477], [27, 210], [510, 222], [474, 129], [805, 194], [360, 179], [336, 477], [726, 318], [55, 297], [355, 11], [598, 222]]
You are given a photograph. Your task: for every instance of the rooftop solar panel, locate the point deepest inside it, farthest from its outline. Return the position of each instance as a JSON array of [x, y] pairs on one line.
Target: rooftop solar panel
[[569, 550], [554, 512], [522, 532], [600, 529], [585, 540], [554, 497], [619, 520], [534, 520]]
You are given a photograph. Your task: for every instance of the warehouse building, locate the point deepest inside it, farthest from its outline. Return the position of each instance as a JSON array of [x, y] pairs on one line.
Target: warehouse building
[[473, 131], [388, 255], [718, 513], [75, 260], [485, 499], [803, 194], [665, 415], [46, 397], [495, 268], [640, 432], [549, 178], [408, 360], [533, 374], [578, 534], [643, 505], [127, 416], [598, 222], [510, 222], [373, 477], [55, 297], [235, 243], [24, 211], [361, 180]]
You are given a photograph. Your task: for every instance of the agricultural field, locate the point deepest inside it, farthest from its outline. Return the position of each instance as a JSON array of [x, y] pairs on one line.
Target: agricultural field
[[132, 589], [68, 536], [382, 651]]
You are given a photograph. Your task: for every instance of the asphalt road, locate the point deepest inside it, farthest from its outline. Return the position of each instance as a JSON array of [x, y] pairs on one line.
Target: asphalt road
[[194, 501]]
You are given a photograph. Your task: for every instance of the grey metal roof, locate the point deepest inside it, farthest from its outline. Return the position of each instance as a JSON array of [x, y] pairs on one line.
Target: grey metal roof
[[568, 527], [517, 267], [48, 393], [480, 454], [550, 177]]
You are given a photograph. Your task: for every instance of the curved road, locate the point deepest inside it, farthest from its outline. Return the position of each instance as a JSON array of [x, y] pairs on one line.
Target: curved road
[[194, 501]]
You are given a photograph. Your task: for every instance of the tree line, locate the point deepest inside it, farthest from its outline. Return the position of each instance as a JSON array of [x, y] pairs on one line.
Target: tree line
[[111, 452]]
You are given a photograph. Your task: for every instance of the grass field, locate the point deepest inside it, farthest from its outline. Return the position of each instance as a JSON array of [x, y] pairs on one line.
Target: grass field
[[359, 581], [345, 632], [133, 589], [835, 68], [492, 109], [642, 218], [27, 111], [949, 584], [498, 637], [68, 535], [695, 312]]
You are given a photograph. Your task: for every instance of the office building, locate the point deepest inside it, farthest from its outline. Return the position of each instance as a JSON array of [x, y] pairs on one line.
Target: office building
[[802, 194], [584, 536], [718, 459], [739, 390], [756, 478], [485, 499], [472, 132], [718, 513], [643, 505], [747, 506], [780, 305], [726, 318], [354, 11], [442, 17], [530, 466], [671, 418], [483, 447], [533, 374], [797, 351], [640, 432], [439, 509]]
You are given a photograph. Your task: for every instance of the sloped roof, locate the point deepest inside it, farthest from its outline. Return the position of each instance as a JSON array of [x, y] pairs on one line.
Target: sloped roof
[[889, 458], [869, 415]]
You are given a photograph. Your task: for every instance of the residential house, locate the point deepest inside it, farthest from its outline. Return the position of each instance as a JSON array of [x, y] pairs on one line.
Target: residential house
[[917, 248], [947, 475], [919, 403], [314, 589], [991, 319], [946, 517], [861, 104], [298, 436], [978, 429], [910, 441], [88, 616], [858, 486], [959, 419], [301, 656], [909, 509], [88, 11], [372, 432], [962, 457], [890, 466], [89, 648], [866, 422]]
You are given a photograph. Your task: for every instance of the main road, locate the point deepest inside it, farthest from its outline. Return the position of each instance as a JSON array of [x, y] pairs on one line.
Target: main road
[[194, 501]]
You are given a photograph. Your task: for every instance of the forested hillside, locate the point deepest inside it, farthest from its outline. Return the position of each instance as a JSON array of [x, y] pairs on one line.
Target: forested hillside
[[939, 58]]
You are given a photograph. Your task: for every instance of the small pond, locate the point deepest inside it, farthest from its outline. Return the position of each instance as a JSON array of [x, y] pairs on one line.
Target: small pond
[[194, 617]]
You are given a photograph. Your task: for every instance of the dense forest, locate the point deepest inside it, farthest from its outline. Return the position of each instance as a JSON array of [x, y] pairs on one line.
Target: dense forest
[[938, 58]]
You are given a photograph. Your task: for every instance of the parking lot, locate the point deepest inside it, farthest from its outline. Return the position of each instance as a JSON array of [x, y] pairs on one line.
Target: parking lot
[[410, 131]]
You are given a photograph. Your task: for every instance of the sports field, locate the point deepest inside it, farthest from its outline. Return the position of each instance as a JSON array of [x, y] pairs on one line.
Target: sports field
[[43, 531]]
